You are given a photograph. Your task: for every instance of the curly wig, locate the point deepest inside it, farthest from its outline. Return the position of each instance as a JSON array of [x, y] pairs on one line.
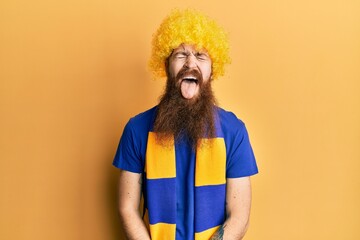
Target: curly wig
[[194, 28]]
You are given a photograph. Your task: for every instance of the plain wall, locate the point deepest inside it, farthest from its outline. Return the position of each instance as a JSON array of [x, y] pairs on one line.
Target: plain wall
[[73, 72]]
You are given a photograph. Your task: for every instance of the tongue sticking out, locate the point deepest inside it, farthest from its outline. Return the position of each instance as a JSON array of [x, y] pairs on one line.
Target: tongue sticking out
[[189, 89]]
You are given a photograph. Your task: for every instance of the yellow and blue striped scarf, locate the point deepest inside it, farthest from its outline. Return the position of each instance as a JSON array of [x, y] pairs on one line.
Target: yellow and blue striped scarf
[[210, 181]]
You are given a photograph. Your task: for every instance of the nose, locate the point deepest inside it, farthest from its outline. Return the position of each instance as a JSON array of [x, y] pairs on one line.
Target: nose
[[191, 61]]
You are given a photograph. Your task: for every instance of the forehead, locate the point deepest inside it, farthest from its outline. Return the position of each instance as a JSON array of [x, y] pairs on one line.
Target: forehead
[[189, 48]]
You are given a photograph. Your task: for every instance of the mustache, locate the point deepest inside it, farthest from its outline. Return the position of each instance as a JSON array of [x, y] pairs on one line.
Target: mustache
[[193, 72]]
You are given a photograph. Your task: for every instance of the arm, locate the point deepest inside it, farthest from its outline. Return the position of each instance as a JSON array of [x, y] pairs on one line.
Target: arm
[[238, 203], [129, 200]]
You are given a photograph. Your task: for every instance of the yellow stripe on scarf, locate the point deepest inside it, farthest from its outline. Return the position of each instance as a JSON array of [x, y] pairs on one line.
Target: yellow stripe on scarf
[[210, 162], [160, 160]]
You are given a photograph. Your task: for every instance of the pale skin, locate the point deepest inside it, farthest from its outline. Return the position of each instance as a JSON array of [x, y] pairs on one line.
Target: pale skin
[[187, 56], [238, 204], [238, 190], [129, 201]]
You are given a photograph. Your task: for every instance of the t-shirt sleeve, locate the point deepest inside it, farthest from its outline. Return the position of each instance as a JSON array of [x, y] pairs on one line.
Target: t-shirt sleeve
[[241, 160], [128, 155]]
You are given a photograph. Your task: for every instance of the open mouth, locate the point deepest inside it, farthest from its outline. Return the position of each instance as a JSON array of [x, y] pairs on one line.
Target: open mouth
[[190, 80], [189, 86]]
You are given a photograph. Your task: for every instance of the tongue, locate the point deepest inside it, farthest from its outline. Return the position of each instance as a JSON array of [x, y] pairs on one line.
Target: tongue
[[188, 89]]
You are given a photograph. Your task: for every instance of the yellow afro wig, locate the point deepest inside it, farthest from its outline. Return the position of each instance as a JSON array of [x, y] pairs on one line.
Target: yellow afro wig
[[194, 28]]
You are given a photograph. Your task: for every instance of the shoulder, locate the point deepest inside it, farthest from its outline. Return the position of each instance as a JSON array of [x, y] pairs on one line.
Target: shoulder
[[229, 122], [240, 159], [139, 126], [131, 151], [136, 132], [147, 115], [144, 120]]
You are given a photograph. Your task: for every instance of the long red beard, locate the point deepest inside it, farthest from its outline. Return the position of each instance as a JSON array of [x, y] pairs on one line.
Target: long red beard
[[179, 117]]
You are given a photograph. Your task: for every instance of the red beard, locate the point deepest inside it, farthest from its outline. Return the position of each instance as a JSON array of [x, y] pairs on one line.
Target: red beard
[[182, 118]]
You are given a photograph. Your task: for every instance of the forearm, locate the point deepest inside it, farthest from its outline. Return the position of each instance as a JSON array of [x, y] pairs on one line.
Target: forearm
[[233, 229], [134, 227], [238, 204], [129, 200]]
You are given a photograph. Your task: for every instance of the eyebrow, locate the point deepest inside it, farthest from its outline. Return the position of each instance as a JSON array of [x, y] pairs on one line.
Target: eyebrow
[[179, 50], [182, 50], [181, 53]]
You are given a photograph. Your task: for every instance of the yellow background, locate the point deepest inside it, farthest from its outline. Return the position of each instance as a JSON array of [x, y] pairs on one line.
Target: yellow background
[[73, 72]]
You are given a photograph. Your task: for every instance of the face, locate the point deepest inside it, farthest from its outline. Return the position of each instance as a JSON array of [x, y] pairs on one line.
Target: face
[[191, 68]]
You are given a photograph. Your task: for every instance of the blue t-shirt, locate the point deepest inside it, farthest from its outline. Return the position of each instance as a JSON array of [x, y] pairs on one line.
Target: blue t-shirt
[[240, 160]]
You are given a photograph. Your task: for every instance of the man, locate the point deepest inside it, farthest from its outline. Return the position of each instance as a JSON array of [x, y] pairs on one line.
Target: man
[[188, 158]]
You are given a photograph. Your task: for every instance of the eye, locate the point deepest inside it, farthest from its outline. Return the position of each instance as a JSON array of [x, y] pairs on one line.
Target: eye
[[180, 55], [202, 56]]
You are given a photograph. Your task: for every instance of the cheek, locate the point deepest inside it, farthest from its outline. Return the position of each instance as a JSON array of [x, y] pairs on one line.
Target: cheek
[[206, 72], [174, 69]]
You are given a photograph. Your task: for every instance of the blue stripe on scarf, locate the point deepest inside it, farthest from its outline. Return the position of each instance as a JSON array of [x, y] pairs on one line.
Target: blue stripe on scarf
[[161, 200], [209, 206]]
